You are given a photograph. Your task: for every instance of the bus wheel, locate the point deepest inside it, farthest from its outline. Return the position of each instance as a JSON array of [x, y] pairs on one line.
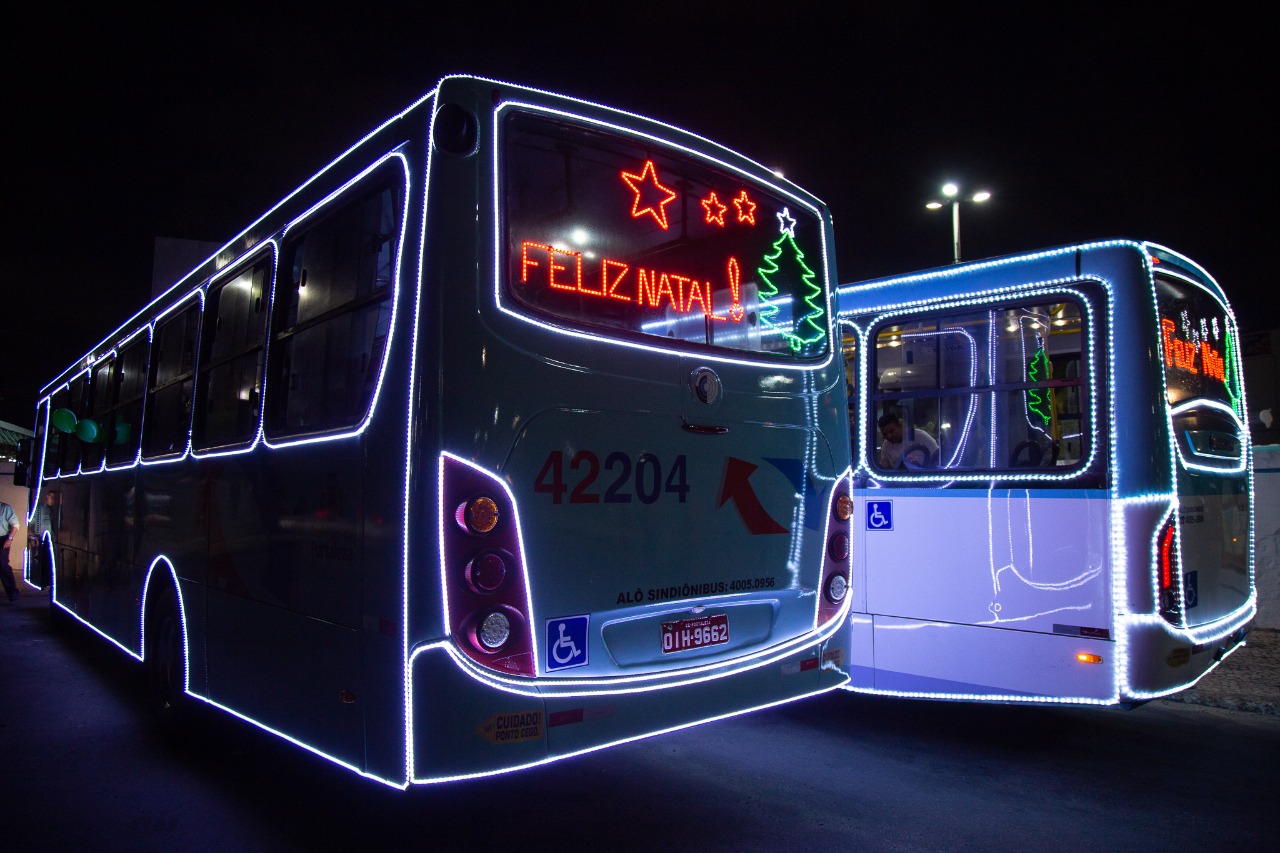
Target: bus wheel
[[166, 663]]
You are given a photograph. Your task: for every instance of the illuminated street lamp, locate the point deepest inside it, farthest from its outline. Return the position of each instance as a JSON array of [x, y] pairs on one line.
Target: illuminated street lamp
[[952, 191]]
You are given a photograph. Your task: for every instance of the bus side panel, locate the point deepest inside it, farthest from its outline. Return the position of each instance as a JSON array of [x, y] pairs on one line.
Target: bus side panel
[[291, 670], [956, 661], [860, 638], [285, 557], [1035, 560], [99, 577]]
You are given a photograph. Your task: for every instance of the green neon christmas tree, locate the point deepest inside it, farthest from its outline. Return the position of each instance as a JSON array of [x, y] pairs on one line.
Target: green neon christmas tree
[[807, 328], [1040, 400], [1232, 379]]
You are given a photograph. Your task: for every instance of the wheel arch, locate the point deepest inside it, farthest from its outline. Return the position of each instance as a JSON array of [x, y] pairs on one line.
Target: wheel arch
[[162, 577]]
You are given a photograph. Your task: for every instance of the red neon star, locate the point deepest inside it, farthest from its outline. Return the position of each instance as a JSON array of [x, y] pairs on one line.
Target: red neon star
[[746, 208], [715, 209], [639, 183]]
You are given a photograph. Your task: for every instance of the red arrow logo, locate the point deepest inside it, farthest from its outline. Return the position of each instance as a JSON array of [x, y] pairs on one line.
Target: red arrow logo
[[736, 487]]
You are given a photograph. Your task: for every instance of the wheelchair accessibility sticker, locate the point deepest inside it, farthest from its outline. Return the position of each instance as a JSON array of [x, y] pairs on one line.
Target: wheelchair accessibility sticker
[[566, 642], [879, 515]]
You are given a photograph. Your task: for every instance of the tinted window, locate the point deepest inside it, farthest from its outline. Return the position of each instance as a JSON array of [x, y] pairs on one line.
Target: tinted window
[[92, 431], [230, 385], [173, 361], [122, 440], [333, 312], [626, 235], [978, 389], [1199, 353]]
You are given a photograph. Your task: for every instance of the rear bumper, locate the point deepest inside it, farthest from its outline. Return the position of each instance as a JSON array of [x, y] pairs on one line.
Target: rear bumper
[[1163, 659], [464, 724]]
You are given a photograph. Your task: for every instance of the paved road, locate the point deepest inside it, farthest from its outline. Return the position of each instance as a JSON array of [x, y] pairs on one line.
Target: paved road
[[83, 769]]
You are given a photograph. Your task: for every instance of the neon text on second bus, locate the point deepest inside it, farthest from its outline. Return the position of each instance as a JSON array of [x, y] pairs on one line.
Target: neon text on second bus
[[1181, 353]]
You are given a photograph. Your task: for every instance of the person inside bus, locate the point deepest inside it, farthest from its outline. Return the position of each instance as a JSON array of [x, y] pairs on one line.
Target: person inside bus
[[917, 449]]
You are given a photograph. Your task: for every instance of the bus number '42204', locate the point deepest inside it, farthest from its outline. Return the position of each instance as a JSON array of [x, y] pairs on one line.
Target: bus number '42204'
[[646, 479]]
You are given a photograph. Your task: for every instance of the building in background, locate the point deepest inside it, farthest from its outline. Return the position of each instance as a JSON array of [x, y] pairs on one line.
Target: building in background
[[1262, 384], [14, 496]]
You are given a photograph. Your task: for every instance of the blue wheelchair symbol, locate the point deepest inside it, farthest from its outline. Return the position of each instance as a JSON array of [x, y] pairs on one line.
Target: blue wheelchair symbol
[[879, 515], [566, 642], [1191, 589]]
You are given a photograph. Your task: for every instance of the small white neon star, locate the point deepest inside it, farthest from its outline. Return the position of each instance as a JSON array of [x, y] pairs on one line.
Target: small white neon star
[[787, 222]]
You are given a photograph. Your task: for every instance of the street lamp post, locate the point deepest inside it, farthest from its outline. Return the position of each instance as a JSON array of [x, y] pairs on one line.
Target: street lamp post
[[952, 191]]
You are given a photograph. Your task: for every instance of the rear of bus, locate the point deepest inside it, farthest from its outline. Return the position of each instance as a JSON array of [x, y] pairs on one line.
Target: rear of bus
[[626, 359], [1200, 582]]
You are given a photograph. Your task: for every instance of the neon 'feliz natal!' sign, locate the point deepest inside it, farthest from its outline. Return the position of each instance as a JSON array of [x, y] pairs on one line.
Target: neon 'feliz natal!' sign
[[1191, 352], [717, 298]]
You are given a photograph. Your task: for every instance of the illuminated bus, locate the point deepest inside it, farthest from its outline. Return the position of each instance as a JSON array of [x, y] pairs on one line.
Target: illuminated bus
[[1052, 477], [512, 434]]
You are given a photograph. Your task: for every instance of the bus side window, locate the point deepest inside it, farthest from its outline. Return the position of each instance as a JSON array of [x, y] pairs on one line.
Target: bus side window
[[122, 440], [71, 445], [1039, 420], [173, 359], [229, 389], [55, 443], [996, 388], [333, 315], [102, 398]]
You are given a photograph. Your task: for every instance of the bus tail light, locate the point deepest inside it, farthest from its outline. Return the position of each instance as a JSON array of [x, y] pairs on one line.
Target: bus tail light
[[836, 562], [1167, 572], [485, 587]]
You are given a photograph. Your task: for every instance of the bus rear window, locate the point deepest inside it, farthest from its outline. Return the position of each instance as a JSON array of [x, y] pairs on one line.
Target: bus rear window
[[636, 239], [1198, 348]]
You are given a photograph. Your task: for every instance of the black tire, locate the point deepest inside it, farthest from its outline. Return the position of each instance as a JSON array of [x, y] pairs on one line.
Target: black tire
[[165, 662]]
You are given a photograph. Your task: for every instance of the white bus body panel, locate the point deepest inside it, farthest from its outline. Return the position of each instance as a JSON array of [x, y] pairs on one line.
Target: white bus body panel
[[1032, 559]]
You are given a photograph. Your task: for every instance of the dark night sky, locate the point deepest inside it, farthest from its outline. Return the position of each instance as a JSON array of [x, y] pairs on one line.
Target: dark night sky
[[1084, 122]]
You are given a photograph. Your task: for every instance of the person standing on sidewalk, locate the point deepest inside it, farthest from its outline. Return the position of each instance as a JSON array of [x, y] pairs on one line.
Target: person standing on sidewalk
[[8, 527]]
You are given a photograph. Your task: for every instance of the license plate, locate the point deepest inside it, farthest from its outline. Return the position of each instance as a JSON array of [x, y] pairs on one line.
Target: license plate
[[695, 633]]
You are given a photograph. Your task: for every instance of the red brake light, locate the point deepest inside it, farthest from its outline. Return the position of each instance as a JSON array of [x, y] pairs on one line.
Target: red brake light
[[835, 566], [1168, 573], [1166, 556], [484, 579]]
